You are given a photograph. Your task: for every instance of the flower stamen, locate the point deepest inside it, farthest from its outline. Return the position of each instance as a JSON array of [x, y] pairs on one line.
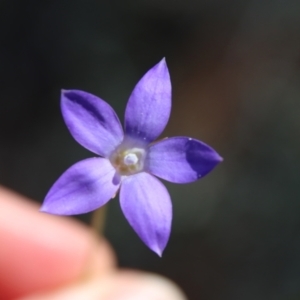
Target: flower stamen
[[128, 161]]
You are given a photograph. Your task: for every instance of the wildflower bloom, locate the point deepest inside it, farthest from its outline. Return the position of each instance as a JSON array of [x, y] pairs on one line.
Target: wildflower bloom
[[128, 160]]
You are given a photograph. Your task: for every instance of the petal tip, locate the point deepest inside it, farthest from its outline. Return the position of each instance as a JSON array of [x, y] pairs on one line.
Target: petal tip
[[163, 60], [158, 251], [218, 157], [43, 209], [64, 95], [163, 64], [48, 209], [63, 92]]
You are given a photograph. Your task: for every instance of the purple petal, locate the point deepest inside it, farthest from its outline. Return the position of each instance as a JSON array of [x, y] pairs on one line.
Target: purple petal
[[147, 206], [148, 108], [91, 121], [181, 159], [85, 186]]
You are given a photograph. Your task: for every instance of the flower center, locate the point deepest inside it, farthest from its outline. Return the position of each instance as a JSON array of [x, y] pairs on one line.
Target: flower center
[[128, 161]]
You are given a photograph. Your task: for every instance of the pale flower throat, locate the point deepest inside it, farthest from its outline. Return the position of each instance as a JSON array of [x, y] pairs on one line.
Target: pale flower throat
[[128, 161]]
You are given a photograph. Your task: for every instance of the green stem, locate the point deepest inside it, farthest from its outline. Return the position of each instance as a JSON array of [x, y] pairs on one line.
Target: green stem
[[98, 219]]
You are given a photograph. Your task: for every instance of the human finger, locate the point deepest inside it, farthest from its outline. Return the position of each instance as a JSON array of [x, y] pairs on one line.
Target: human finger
[[120, 285], [41, 252]]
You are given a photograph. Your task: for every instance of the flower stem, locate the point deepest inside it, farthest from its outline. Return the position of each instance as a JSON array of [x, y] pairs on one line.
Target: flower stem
[[98, 220]]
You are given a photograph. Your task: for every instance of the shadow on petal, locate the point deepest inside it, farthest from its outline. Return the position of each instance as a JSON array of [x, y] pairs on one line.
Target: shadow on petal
[[201, 158], [116, 180]]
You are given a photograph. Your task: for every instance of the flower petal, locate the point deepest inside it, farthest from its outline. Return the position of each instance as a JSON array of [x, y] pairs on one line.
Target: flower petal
[[92, 122], [149, 106], [147, 206], [85, 186], [181, 159]]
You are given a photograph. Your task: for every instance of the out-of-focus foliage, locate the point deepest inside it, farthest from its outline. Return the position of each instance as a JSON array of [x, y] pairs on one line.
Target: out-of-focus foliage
[[236, 85]]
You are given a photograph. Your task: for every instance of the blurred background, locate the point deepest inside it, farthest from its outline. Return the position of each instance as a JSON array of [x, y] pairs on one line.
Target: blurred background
[[235, 70]]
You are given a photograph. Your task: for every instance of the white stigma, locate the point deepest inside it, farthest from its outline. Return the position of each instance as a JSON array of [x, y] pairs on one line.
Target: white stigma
[[130, 159]]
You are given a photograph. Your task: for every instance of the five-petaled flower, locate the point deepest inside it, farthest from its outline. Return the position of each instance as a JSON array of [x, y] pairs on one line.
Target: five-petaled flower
[[128, 160]]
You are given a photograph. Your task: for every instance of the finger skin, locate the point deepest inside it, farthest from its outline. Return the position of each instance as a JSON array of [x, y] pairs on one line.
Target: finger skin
[[41, 252], [119, 285]]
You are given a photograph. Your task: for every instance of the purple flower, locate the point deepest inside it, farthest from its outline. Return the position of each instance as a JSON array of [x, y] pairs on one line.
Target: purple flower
[[128, 160]]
